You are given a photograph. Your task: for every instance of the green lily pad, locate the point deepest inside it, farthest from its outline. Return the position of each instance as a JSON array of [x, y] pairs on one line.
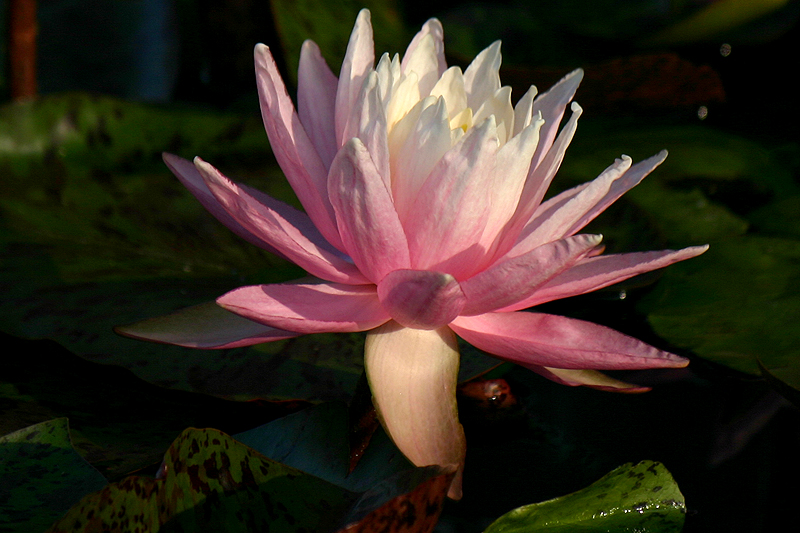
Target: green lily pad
[[42, 476], [641, 497], [211, 482], [737, 305]]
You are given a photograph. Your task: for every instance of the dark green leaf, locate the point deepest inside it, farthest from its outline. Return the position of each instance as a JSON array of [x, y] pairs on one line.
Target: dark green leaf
[[641, 497]]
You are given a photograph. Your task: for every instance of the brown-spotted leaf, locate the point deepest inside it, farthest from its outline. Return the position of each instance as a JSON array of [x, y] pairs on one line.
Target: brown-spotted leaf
[[210, 482]]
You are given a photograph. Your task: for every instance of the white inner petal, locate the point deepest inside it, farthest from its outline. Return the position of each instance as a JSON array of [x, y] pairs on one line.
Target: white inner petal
[[404, 95], [500, 106], [451, 87], [423, 148], [523, 113], [427, 114], [482, 77], [425, 63]]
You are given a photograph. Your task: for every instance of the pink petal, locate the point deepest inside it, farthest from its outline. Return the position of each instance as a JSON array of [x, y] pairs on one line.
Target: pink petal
[[515, 279], [316, 101], [555, 217], [630, 179], [368, 223], [552, 105], [186, 172], [420, 298], [541, 175], [293, 149], [308, 308], [602, 271], [368, 123], [203, 326], [358, 61], [282, 226], [413, 375], [560, 342], [587, 378], [567, 213], [453, 206]]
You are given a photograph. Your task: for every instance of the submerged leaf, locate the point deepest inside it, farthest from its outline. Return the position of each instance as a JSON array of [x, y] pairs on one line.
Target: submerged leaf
[[42, 476], [315, 441], [641, 497]]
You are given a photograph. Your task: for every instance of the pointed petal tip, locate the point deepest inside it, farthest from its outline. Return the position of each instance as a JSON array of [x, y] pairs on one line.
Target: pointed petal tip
[[206, 169], [433, 21], [671, 360], [365, 15], [572, 79]]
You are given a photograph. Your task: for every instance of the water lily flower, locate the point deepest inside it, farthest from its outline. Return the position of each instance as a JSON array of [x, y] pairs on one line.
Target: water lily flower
[[424, 220]]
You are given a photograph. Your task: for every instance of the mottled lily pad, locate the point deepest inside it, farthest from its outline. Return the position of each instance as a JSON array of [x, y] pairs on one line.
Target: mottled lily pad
[[211, 482]]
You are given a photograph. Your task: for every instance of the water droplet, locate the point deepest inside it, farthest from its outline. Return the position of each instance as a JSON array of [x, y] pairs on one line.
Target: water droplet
[[725, 50], [702, 112]]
